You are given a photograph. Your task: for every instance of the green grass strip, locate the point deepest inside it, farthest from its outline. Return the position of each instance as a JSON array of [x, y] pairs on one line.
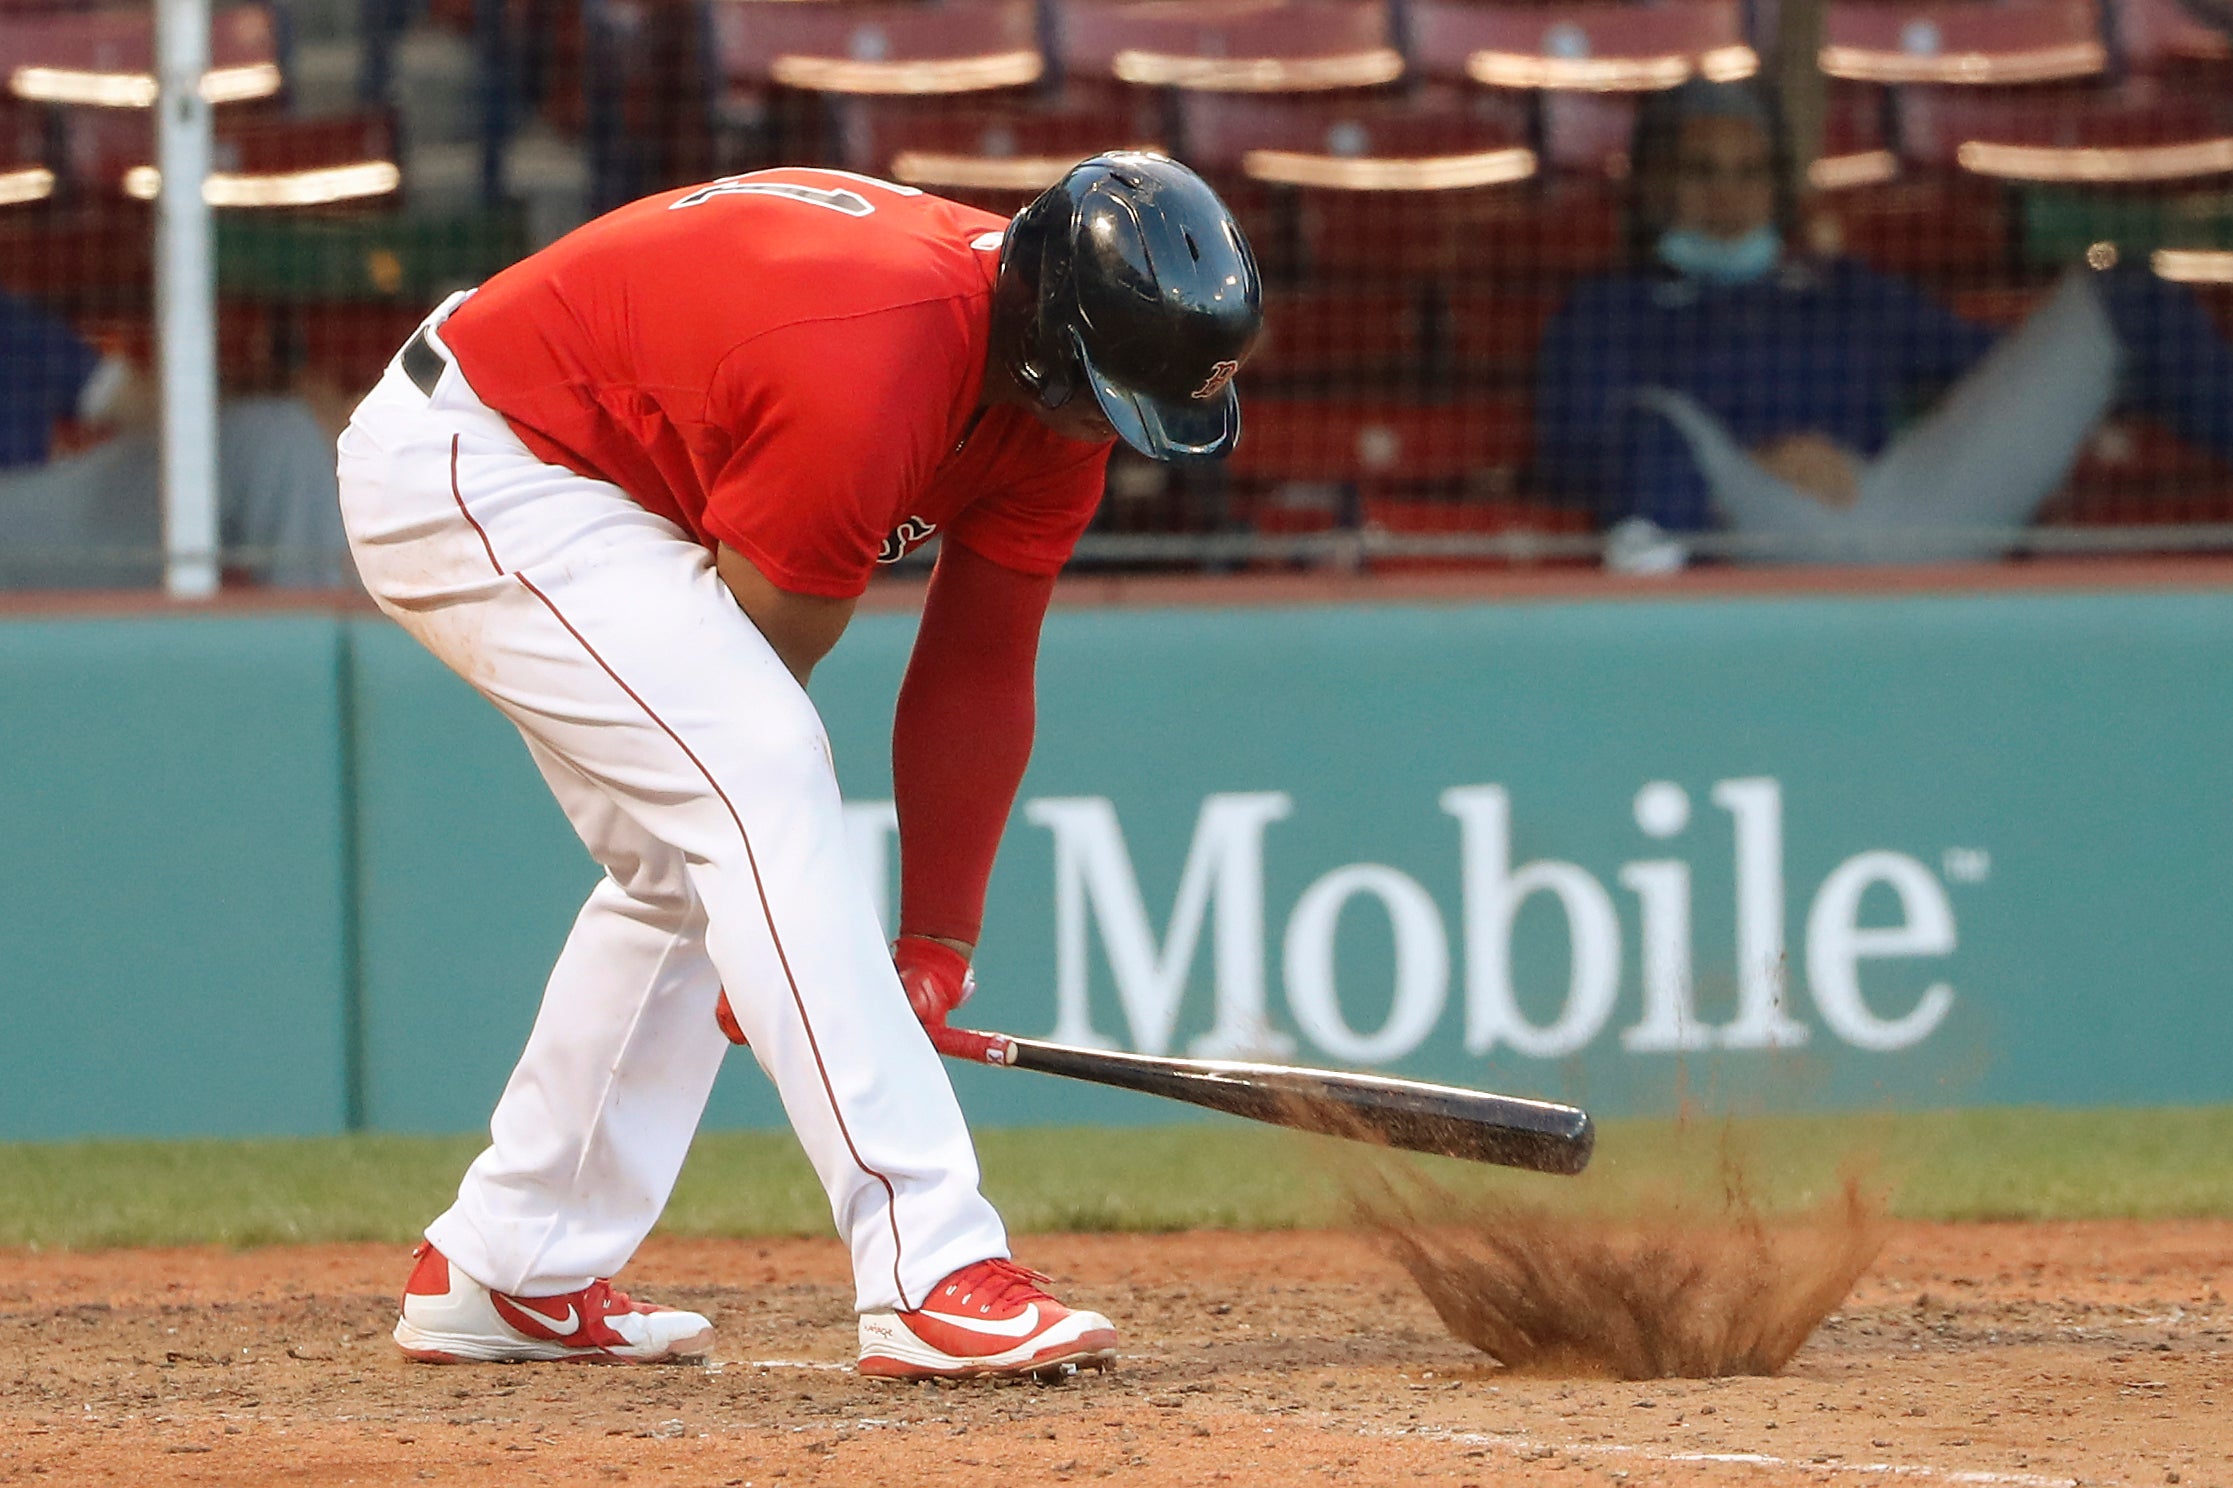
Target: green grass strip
[[2002, 1164]]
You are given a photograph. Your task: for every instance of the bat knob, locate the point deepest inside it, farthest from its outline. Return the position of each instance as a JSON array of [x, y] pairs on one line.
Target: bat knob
[[972, 1047]]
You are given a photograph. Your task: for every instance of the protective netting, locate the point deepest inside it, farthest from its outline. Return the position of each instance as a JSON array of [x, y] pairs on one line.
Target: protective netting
[[1641, 283]]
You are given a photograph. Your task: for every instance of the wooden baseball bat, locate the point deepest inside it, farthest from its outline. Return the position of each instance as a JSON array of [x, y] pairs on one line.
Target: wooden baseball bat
[[1442, 1119]]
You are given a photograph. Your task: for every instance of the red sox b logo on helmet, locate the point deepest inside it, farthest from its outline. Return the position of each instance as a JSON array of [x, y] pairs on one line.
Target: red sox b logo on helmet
[[1220, 375], [904, 539]]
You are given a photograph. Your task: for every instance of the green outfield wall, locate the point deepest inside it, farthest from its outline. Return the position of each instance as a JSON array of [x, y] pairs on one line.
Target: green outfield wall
[[283, 874]]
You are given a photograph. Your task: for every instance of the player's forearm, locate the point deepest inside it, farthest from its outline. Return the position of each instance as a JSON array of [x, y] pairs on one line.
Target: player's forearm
[[800, 628], [961, 737]]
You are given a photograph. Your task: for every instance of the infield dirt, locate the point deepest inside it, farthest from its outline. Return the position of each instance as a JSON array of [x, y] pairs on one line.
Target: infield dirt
[[2021, 1355]]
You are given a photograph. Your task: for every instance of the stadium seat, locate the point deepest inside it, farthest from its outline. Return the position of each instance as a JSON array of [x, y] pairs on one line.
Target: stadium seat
[[2163, 36], [994, 149], [350, 343], [1323, 342], [1380, 444], [1436, 141], [2001, 305], [24, 173], [1963, 42], [2141, 132], [1408, 516], [1295, 509], [1593, 47], [1856, 144], [1509, 235], [1237, 46], [2214, 288], [1496, 331], [79, 254], [2136, 472], [105, 57], [875, 47], [1583, 64], [258, 160], [1928, 227]]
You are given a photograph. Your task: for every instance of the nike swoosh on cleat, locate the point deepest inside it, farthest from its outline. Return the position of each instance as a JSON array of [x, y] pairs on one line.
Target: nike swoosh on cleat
[[1022, 1325], [560, 1329]]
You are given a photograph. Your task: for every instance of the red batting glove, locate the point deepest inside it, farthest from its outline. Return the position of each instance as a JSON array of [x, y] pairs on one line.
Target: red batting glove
[[934, 975]]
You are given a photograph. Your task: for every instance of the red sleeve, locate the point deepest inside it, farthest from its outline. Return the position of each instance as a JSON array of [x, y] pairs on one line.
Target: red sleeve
[[836, 424], [1032, 525], [962, 735]]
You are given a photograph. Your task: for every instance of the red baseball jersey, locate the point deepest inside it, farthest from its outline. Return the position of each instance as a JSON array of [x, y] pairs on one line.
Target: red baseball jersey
[[788, 362]]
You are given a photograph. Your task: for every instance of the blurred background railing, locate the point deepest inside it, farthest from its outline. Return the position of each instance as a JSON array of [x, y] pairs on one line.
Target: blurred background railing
[[1470, 214]]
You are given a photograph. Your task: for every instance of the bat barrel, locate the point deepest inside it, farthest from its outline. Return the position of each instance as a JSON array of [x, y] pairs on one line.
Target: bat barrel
[[1410, 1114]]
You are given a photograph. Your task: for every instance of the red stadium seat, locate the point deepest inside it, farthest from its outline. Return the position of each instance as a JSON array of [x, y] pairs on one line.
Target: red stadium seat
[[258, 160], [24, 174], [1856, 151], [2141, 132], [1381, 445], [2162, 36], [2002, 305], [1438, 141], [1593, 47], [1427, 517], [1946, 231], [2216, 295], [1292, 512], [994, 150], [1502, 234], [1585, 63], [2136, 472], [106, 57], [1963, 42], [349, 342], [244, 341], [1325, 340], [1240, 46], [875, 47], [1421, 471], [1495, 332]]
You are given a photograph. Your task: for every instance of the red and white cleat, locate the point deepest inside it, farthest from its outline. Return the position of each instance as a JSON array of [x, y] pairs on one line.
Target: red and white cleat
[[989, 1318], [449, 1318]]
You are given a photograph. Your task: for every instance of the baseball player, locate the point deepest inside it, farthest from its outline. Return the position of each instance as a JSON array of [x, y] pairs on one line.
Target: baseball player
[[630, 490]]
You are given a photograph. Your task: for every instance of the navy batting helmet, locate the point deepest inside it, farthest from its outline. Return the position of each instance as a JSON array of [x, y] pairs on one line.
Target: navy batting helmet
[[1130, 278]]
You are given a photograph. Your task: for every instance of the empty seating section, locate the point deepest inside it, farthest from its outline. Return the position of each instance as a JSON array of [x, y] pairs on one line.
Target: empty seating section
[[1592, 47], [1237, 46], [994, 150], [868, 47], [1478, 442], [1965, 43], [2139, 133], [1425, 182], [105, 57], [1438, 140], [78, 174], [2164, 36], [1581, 66]]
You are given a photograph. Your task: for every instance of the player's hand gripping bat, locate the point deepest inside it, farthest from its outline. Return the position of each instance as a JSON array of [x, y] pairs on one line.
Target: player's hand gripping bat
[[1411, 1114]]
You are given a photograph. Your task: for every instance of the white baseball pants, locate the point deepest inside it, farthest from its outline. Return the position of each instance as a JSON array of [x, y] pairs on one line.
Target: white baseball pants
[[698, 774]]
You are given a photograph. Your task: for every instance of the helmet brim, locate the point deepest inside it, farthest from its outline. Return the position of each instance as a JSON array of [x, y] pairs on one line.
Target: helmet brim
[[1163, 428]]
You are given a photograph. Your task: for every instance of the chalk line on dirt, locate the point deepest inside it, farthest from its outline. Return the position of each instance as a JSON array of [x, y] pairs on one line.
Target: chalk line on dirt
[[1526, 1446]]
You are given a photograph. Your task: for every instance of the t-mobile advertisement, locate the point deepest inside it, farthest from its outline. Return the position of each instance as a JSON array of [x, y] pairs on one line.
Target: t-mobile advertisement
[[1800, 853]]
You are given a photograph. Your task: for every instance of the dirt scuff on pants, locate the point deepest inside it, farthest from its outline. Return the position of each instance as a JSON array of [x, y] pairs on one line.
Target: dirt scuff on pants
[[1680, 1288]]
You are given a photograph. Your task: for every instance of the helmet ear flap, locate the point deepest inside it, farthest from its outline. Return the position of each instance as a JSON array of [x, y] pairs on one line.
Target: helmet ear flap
[[1054, 314], [1035, 300]]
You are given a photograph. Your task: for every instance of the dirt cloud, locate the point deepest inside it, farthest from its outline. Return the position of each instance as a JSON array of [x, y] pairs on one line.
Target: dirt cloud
[[1681, 1285]]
